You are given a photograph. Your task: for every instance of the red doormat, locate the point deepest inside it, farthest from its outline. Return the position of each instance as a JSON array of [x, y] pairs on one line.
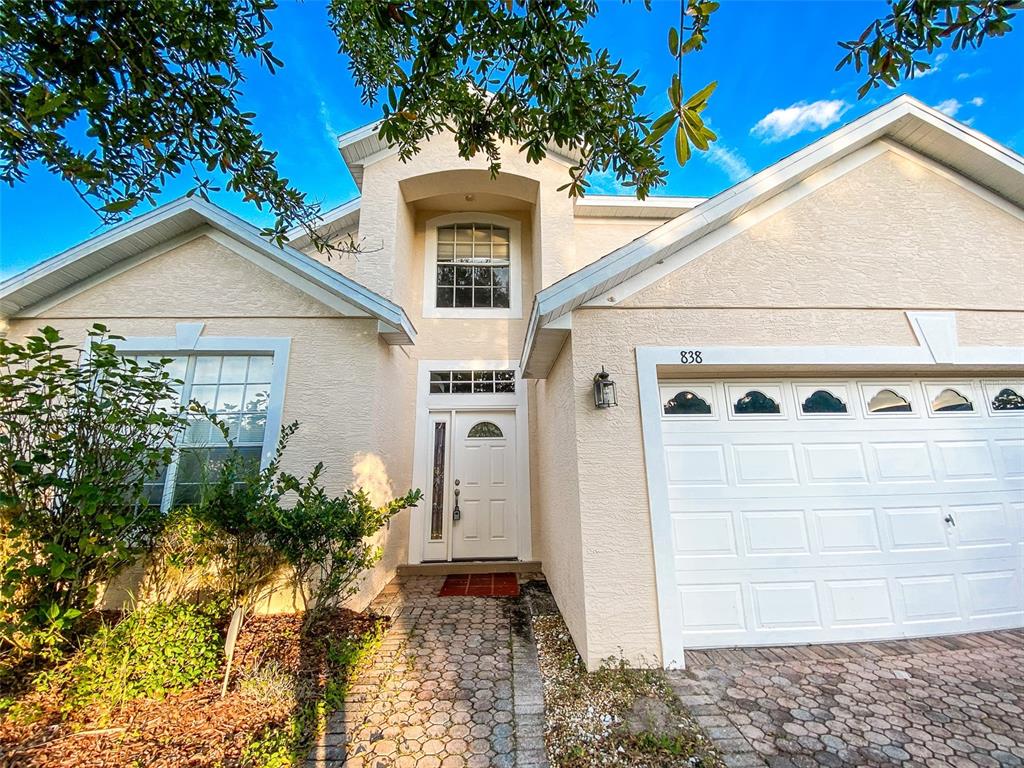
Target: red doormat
[[480, 585]]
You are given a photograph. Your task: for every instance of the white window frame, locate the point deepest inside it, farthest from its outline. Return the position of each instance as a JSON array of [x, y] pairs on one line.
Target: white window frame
[[188, 342], [839, 389], [992, 388], [706, 390], [438, 407], [515, 271], [932, 389]]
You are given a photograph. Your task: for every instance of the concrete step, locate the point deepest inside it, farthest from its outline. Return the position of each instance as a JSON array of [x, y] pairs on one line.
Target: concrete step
[[470, 566]]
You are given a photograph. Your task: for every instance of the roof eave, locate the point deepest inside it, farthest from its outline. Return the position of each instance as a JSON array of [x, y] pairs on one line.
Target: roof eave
[[888, 120], [201, 213]]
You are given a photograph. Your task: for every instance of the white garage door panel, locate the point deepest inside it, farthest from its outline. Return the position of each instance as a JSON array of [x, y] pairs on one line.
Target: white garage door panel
[[795, 527]]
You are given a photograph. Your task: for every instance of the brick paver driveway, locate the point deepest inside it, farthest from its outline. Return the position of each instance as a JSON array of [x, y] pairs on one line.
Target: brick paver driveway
[[954, 701], [455, 684]]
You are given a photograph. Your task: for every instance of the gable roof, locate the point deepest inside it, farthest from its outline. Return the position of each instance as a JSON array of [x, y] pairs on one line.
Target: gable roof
[[93, 258], [362, 146], [904, 120], [339, 218]]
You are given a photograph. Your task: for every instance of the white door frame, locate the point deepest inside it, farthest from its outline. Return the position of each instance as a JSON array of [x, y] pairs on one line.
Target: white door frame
[[938, 344], [428, 404]]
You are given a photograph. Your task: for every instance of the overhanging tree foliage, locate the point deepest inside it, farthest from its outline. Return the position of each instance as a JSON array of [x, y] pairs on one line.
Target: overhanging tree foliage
[[117, 96]]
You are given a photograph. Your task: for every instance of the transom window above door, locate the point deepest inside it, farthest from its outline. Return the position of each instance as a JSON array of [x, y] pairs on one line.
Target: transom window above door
[[483, 382], [472, 267]]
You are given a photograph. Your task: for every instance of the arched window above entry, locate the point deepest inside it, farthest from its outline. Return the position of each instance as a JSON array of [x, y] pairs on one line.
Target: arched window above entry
[[888, 401], [1008, 399], [949, 400], [755, 401], [485, 429], [823, 401], [687, 403]]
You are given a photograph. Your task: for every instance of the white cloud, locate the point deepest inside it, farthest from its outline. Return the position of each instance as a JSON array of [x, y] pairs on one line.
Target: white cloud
[[330, 131], [935, 66], [730, 161], [977, 101], [964, 75], [949, 107], [785, 122], [606, 183]]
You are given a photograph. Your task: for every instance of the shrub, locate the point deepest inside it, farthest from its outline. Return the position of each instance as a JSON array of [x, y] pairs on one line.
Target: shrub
[[326, 539], [155, 650], [80, 431]]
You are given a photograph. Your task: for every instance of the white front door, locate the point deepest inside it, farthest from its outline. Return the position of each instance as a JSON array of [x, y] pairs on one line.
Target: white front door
[[483, 485], [840, 510]]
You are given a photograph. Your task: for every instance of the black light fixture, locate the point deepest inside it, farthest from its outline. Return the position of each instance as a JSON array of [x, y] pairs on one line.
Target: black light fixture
[[604, 390]]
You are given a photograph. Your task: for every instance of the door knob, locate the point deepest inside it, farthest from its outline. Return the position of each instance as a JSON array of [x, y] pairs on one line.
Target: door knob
[[949, 520], [456, 512]]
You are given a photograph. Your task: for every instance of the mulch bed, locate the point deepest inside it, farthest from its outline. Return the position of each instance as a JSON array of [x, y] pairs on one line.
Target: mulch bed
[[195, 728]]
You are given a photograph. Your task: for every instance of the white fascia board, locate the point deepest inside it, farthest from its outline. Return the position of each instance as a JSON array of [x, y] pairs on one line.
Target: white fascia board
[[625, 206], [90, 246], [360, 296], [622, 263], [326, 219], [243, 232]]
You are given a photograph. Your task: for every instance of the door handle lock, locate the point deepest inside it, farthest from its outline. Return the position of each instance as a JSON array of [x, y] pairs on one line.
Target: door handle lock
[[456, 512], [950, 521]]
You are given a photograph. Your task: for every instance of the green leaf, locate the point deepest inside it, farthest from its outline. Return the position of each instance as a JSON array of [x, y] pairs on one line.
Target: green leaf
[[699, 99], [118, 206], [661, 126], [682, 146], [673, 41]]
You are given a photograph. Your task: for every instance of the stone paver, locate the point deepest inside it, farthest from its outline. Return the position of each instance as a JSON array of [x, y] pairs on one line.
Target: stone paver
[[952, 701], [439, 692]]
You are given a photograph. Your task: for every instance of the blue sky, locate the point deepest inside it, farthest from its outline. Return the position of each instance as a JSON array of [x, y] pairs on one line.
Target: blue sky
[[778, 91]]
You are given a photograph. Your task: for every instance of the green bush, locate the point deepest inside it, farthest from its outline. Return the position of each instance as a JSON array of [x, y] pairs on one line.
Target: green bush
[[156, 650], [81, 429]]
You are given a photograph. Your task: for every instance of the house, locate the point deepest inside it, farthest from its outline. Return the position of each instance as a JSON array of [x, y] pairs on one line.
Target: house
[[816, 429]]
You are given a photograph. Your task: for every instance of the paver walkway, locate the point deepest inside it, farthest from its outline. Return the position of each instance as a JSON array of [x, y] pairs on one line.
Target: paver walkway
[[953, 701], [453, 679]]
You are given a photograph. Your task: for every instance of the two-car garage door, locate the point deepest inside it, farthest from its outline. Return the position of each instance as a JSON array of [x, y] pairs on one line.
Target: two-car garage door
[[844, 509]]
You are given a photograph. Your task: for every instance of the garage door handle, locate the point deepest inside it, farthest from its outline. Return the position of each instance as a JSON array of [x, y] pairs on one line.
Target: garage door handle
[[950, 520]]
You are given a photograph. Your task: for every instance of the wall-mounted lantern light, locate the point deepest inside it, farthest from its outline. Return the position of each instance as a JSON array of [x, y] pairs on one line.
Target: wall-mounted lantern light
[[604, 390]]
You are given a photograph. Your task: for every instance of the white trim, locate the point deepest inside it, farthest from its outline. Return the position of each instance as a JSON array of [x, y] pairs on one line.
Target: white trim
[[427, 403], [515, 272], [903, 120], [346, 209], [94, 261], [737, 226], [44, 305], [279, 348], [648, 358]]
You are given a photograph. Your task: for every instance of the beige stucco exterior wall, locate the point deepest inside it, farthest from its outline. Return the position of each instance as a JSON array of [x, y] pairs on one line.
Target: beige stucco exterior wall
[[557, 538], [597, 236], [341, 377], [385, 219], [469, 338], [890, 233], [837, 268]]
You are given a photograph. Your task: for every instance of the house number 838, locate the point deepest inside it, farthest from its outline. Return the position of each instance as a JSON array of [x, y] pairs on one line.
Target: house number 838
[[690, 357]]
